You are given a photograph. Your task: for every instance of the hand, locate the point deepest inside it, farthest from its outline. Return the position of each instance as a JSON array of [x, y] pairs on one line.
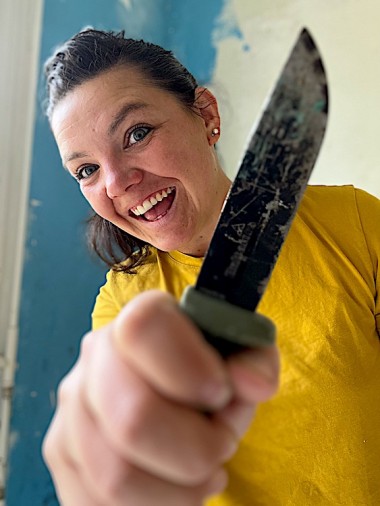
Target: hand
[[130, 427]]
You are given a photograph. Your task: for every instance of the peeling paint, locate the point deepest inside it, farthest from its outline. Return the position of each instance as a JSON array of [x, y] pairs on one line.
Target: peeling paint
[[14, 438], [226, 25], [35, 203]]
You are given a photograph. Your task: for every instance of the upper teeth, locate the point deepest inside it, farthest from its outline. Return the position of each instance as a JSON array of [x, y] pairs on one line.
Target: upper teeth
[[151, 202]]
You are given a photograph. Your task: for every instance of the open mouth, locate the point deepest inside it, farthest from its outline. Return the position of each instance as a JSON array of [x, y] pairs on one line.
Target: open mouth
[[155, 206]]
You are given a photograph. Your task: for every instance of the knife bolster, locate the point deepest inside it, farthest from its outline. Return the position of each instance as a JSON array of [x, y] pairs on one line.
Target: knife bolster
[[227, 327]]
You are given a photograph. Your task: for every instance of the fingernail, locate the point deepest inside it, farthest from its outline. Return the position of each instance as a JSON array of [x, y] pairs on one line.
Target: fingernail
[[216, 394], [261, 365], [230, 449]]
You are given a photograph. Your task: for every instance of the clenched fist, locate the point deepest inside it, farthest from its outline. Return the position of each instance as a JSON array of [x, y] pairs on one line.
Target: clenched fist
[[150, 412]]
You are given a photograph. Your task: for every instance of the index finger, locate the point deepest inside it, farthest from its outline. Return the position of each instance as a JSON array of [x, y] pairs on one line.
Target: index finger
[[167, 348]]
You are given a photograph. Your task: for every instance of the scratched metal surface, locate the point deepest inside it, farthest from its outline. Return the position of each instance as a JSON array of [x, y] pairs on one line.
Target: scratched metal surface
[[270, 183]]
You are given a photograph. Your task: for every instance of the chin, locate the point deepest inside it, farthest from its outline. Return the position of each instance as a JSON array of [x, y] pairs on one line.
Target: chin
[[167, 246], [170, 245]]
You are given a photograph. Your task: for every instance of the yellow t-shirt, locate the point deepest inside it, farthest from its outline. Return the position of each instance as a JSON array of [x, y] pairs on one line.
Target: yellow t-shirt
[[318, 441]]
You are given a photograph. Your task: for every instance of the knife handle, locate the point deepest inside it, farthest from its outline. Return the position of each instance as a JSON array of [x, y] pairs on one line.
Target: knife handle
[[228, 328]]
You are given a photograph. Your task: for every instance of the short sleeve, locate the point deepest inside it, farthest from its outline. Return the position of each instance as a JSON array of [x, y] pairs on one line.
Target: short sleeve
[[107, 305], [369, 214]]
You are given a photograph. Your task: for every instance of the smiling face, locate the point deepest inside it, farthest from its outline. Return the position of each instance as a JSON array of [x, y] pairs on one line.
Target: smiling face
[[144, 161]]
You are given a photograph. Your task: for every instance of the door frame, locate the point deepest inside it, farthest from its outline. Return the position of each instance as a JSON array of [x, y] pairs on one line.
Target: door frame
[[20, 34]]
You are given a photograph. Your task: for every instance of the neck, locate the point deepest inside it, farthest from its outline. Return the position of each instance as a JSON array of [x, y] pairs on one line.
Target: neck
[[202, 242]]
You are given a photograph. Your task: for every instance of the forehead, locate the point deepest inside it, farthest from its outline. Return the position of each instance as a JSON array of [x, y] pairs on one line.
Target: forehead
[[102, 96]]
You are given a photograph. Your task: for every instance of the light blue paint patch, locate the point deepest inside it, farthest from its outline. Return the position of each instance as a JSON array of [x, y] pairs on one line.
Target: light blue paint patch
[[191, 26], [197, 29], [192, 30], [226, 25], [183, 27], [246, 48], [143, 19]]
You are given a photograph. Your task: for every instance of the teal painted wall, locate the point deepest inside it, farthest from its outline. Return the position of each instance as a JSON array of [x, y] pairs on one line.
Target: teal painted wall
[[60, 280]]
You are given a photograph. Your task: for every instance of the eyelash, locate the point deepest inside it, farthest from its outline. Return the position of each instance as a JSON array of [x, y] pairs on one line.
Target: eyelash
[[79, 172], [134, 129]]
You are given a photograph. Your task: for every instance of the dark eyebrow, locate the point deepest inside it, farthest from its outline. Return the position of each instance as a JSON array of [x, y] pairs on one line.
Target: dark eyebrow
[[122, 114], [73, 156], [118, 119]]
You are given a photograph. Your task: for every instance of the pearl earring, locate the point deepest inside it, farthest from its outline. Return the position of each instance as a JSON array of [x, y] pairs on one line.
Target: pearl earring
[[215, 131]]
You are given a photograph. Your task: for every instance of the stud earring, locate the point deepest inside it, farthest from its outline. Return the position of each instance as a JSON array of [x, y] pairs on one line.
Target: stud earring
[[215, 131]]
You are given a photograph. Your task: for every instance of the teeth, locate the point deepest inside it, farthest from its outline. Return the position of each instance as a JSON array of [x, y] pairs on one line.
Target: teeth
[[147, 205], [151, 202]]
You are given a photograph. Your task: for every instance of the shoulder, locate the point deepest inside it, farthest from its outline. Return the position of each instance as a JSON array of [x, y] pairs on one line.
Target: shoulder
[[339, 202], [345, 217], [124, 286], [169, 272], [316, 194], [120, 288]]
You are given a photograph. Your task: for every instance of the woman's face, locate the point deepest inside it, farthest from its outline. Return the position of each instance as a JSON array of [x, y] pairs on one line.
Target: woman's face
[[143, 161]]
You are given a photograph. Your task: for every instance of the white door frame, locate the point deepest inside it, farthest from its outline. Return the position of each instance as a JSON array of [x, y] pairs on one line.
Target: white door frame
[[20, 31]]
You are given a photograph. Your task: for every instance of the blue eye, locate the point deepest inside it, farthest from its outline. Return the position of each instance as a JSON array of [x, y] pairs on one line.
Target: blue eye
[[86, 171], [138, 134]]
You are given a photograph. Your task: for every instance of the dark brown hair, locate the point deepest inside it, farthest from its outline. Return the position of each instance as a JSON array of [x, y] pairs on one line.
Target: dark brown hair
[[83, 57]]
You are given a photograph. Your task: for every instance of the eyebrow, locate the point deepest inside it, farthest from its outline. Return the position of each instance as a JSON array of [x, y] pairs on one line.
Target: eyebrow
[[122, 114], [73, 156], [125, 110]]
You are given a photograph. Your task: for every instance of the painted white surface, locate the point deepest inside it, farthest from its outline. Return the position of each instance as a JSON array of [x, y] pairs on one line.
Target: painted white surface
[[19, 46], [348, 36]]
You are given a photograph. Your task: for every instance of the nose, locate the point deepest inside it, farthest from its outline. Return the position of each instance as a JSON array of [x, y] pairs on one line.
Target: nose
[[119, 179]]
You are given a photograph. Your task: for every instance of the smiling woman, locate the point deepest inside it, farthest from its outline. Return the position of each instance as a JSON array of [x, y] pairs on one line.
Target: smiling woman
[[138, 135], [123, 139], [132, 117]]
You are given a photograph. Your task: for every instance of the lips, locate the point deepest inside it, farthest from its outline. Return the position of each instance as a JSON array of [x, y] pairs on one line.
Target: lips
[[155, 206]]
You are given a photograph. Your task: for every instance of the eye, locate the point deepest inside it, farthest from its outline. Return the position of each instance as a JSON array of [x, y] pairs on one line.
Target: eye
[[138, 134], [86, 171]]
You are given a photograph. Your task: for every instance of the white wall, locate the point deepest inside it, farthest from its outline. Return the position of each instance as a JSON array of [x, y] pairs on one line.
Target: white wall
[[348, 36]]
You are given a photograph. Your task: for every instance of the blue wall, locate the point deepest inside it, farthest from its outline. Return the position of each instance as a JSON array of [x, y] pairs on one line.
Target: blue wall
[[60, 280]]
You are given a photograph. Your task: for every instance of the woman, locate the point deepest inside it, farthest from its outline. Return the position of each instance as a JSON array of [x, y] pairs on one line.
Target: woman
[[138, 133]]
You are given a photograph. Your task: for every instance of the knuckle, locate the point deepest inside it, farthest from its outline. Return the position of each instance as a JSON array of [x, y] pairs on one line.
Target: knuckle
[[51, 450], [115, 481], [66, 388], [48, 449], [86, 345], [130, 420], [134, 315]]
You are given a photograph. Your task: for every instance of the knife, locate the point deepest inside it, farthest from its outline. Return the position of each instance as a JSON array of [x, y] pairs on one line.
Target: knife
[[260, 206]]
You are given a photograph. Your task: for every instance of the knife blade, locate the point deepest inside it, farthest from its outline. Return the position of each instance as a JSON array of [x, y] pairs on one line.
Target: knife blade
[[261, 206]]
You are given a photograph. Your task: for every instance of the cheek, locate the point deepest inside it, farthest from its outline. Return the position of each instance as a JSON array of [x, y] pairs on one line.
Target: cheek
[[99, 202], [183, 155]]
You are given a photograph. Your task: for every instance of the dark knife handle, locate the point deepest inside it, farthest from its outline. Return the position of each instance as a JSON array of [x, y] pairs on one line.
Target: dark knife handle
[[228, 328]]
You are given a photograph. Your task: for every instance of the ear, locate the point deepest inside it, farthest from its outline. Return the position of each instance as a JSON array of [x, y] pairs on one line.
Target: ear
[[207, 107]]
